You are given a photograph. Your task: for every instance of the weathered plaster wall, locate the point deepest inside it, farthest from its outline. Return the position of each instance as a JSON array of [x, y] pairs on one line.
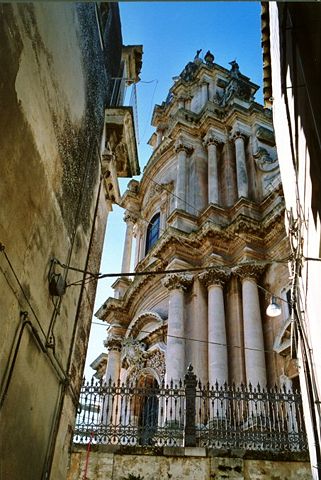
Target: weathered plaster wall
[[53, 90], [297, 126], [181, 465]]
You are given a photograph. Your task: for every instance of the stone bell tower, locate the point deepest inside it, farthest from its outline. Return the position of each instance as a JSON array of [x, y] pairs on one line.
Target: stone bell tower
[[207, 220]]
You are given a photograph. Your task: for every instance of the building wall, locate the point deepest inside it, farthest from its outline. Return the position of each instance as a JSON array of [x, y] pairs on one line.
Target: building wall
[[188, 463], [53, 91], [295, 64]]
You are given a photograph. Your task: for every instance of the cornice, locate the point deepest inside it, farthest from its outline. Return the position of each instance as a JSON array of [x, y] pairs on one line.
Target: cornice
[[166, 145]]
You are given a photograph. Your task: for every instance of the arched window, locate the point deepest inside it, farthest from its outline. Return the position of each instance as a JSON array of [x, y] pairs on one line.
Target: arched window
[[152, 232]]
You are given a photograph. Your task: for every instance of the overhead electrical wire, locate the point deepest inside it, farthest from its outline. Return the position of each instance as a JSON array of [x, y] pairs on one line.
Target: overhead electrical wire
[[208, 342]]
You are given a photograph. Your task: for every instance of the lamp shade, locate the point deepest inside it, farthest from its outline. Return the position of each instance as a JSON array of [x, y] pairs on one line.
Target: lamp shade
[[274, 309]]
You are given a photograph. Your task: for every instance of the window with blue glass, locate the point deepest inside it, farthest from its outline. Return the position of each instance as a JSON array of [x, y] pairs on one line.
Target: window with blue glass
[[152, 232]]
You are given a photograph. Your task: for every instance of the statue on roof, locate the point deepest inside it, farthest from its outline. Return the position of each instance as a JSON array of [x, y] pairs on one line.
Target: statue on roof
[[235, 70], [197, 54], [209, 58], [188, 74]]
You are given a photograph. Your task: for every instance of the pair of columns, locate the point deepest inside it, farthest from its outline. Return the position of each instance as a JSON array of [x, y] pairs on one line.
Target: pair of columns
[[252, 323], [214, 279], [213, 143]]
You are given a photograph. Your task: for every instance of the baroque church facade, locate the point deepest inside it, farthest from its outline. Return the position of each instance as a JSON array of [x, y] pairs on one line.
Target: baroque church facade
[[207, 220]]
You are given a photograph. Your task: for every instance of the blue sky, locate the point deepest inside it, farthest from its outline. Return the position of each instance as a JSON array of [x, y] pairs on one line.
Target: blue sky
[[170, 33]]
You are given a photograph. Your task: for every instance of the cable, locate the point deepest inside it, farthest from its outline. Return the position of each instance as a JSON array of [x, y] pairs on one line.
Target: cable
[[151, 106], [207, 342], [54, 361], [99, 276], [2, 249]]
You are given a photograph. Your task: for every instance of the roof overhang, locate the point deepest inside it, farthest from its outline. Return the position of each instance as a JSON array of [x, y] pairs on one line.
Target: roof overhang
[[121, 137]]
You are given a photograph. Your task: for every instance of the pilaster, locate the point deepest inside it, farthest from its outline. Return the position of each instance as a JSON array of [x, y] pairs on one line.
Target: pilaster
[[241, 171]]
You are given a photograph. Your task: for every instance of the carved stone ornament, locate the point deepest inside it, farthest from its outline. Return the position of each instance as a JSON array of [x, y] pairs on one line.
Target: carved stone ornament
[[130, 217], [264, 162], [121, 155], [188, 74], [212, 140], [178, 281], [134, 352], [113, 342], [238, 135], [181, 146], [154, 190], [156, 361], [214, 276], [249, 271]]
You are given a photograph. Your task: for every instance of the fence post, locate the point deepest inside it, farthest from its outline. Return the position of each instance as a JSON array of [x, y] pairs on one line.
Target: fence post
[[190, 410]]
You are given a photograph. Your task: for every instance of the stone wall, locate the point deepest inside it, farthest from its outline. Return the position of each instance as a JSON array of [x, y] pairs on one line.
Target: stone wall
[[179, 464], [54, 88]]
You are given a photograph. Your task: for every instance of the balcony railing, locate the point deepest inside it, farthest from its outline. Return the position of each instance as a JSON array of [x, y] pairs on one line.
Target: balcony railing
[[189, 414]]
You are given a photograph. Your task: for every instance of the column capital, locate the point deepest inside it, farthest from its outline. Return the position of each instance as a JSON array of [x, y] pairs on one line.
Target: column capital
[[214, 276], [130, 217], [249, 271], [114, 343], [178, 281], [238, 134], [181, 146], [214, 137], [212, 140]]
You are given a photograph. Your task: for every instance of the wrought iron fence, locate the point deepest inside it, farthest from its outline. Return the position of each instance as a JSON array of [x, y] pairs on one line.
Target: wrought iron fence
[[189, 414]]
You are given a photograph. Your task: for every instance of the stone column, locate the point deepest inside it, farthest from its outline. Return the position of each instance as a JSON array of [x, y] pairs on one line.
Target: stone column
[[110, 401], [214, 279], [204, 86], [235, 328], [197, 350], [253, 331], [175, 351], [213, 189], [241, 171], [130, 221], [182, 151], [137, 235], [113, 343]]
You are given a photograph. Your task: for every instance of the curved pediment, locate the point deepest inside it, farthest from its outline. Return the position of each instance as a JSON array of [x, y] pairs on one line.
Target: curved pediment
[[142, 320]]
